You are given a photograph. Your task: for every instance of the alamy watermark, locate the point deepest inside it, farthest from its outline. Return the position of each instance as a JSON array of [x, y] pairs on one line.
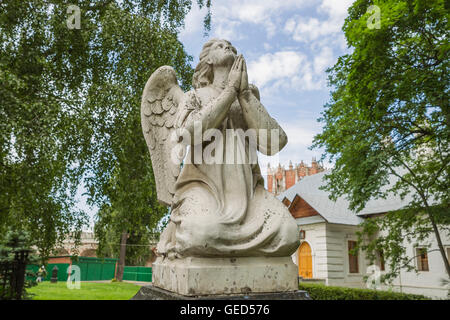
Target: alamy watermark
[[230, 146], [74, 277], [74, 19], [374, 278], [374, 21]]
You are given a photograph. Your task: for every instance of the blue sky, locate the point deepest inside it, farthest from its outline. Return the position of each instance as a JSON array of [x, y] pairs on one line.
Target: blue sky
[[287, 45]]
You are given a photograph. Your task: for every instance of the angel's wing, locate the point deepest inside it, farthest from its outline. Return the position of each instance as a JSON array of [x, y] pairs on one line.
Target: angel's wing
[[160, 100]]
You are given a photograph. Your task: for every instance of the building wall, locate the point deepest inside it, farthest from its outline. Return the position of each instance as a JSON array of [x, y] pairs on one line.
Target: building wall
[[280, 179], [428, 283], [314, 235], [290, 178], [87, 246], [270, 185], [329, 250], [60, 260], [337, 237]]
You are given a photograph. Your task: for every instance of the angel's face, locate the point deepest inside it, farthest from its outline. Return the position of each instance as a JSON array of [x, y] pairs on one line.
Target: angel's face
[[222, 54]]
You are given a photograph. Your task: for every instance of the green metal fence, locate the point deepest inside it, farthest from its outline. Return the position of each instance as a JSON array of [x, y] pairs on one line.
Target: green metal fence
[[137, 274], [62, 271], [32, 268], [91, 269], [95, 268]]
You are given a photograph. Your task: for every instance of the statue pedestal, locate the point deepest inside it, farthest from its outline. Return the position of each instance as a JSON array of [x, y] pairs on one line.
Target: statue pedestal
[[150, 292], [226, 276]]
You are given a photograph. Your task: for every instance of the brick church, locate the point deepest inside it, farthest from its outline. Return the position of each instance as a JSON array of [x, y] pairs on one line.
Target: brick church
[[280, 179]]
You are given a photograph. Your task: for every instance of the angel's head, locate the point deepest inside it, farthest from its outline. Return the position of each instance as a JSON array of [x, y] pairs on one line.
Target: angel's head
[[215, 52]]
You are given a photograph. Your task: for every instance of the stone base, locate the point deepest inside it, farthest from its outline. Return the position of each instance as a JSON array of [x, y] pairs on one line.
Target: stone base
[[226, 276], [153, 293]]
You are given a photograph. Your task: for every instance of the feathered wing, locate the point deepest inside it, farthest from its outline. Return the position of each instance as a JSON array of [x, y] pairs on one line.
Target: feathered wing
[[159, 105]]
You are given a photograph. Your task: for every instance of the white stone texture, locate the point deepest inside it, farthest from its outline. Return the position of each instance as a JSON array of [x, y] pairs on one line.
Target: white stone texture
[[220, 211], [218, 276]]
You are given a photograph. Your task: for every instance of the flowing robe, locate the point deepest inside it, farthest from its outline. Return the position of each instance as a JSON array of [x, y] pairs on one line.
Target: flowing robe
[[222, 209]]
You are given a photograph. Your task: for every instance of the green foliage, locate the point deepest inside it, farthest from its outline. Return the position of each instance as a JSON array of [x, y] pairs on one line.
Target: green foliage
[[121, 180], [323, 292], [389, 117], [71, 99], [16, 244], [142, 232]]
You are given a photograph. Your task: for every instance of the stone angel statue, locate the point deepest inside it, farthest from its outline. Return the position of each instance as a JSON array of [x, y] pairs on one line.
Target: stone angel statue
[[219, 208]]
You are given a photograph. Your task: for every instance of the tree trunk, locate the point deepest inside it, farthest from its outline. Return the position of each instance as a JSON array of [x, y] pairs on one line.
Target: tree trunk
[[123, 248], [439, 241]]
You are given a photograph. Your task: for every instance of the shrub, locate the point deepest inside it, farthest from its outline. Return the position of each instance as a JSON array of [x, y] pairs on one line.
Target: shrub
[[323, 292]]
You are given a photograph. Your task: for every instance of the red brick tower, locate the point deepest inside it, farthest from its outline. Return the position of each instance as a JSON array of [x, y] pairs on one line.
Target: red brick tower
[[279, 179]]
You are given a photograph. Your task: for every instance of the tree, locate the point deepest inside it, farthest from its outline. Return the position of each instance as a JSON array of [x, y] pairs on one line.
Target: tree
[[15, 255], [122, 182], [389, 116], [71, 97], [39, 172], [142, 234]]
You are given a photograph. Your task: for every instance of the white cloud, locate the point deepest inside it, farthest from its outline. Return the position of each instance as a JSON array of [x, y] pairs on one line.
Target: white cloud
[[321, 33], [336, 9], [290, 69], [269, 67], [267, 46], [228, 15], [294, 68], [323, 60], [228, 30], [290, 26], [310, 29], [193, 23], [299, 136]]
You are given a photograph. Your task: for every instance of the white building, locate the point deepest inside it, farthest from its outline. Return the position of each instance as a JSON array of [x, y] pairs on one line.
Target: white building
[[328, 229]]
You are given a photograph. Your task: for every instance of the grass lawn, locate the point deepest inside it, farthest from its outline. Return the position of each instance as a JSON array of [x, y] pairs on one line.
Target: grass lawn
[[88, 291]]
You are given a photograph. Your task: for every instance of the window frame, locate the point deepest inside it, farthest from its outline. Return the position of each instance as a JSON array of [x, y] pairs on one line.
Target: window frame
[[381, 260], [420, 260], [351, 256]]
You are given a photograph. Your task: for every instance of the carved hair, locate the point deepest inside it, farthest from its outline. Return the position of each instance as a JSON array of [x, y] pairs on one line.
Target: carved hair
[[203, 74]]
